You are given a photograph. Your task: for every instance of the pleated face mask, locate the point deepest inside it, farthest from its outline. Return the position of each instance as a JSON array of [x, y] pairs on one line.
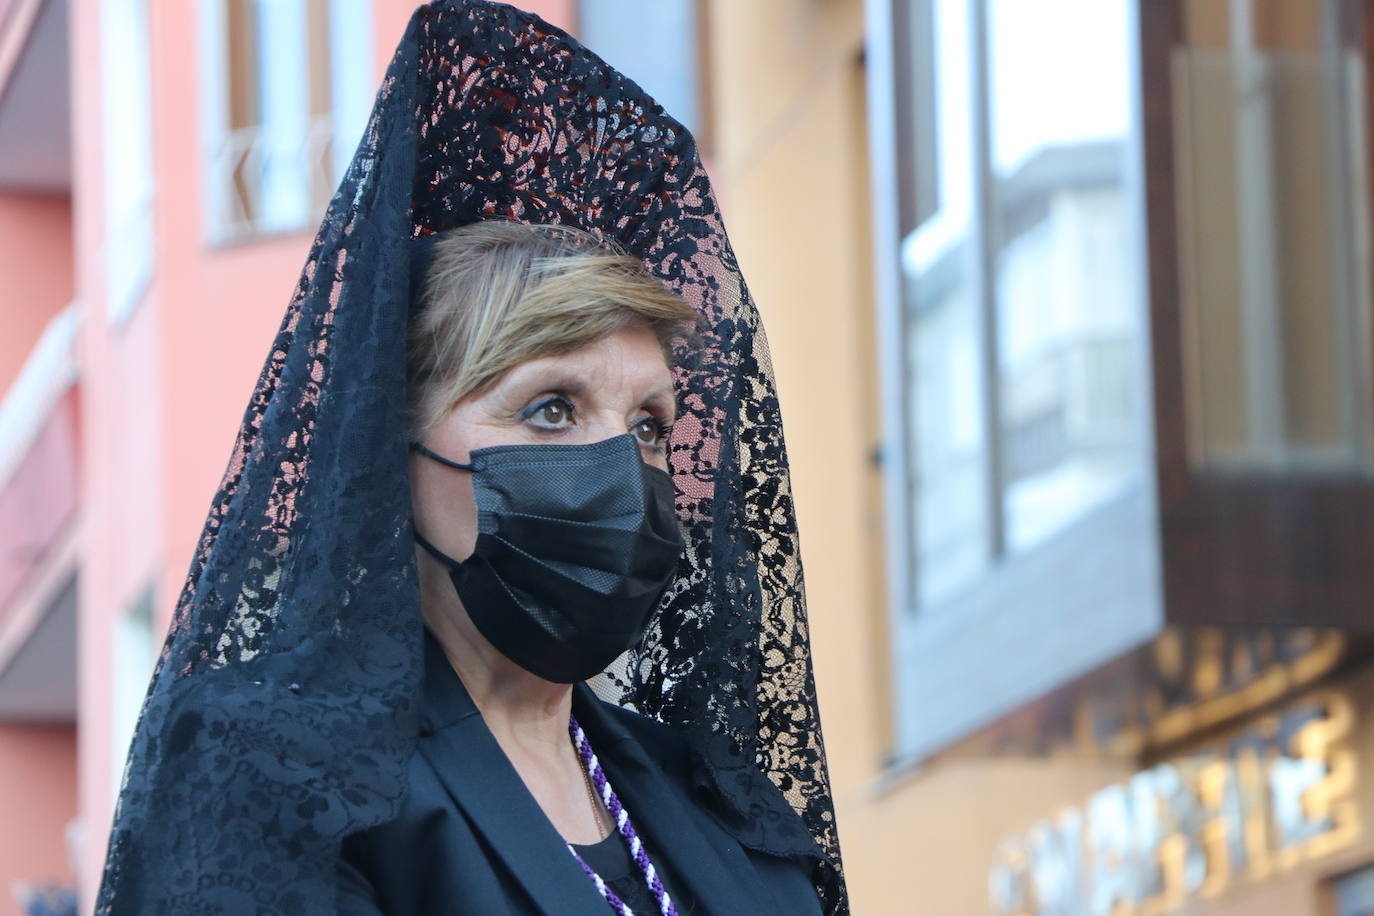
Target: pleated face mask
[[588, 533]]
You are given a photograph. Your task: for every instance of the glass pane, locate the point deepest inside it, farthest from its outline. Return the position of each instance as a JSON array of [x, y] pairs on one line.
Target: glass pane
[[654, 44], [1355, 894], [1069, 311], [951, 536], [128, 147], [1274, 255], [351, 87], [284, 124]]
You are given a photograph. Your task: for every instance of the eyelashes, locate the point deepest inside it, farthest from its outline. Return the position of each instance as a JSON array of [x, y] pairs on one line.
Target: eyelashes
[[658, 431], [550, 413], [556, 413]]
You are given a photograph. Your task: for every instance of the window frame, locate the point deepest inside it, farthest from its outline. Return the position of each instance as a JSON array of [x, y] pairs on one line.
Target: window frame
[[127, 110], [1019, 650], [1309, 533], [349, 90]]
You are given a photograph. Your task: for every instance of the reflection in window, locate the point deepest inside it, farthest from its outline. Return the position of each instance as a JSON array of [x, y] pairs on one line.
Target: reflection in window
[[1023, 300], [952, 539], [1069, 311]]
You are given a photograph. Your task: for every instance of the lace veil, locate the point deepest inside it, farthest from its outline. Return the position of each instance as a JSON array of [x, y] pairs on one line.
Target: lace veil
[[284, 705]]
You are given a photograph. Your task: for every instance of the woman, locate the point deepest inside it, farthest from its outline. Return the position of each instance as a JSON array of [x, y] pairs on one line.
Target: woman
[[541, 361], [307, 746]]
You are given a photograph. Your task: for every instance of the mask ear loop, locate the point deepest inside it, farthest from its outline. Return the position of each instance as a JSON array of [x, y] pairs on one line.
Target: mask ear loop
[[435, 552], [419, 538], [440, 458]]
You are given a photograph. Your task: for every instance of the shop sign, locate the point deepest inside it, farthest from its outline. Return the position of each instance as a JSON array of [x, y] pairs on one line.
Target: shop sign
[[1276, 794], [1198, 679]]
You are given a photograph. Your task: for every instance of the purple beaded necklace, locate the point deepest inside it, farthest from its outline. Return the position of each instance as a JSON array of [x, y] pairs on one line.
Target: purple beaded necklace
[[592, 767]]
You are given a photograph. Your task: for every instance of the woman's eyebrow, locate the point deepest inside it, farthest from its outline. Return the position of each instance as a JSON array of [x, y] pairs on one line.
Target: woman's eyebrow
[[667, 398], [563, 381], [577, 384]]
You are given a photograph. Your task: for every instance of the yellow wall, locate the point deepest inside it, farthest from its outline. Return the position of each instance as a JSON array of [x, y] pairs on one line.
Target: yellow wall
[[789, 153]]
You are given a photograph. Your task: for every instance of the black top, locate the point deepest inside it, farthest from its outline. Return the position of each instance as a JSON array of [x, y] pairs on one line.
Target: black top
[[471, 839], [611, 859]]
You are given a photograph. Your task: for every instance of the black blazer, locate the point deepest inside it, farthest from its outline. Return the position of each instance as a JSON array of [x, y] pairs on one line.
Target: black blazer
[[471, 839]]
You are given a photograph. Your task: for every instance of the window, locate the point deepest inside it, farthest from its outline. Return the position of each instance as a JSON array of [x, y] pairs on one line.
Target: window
[[655, 44], [135, 647], [128, 129], [1355, 894], [1273, 236], [288, 86], [1022, 301], [1259, 230], [1016, 347], [943, 325]]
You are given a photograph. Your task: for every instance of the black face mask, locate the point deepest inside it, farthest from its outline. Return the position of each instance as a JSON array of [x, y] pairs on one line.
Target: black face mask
[[575, 544]]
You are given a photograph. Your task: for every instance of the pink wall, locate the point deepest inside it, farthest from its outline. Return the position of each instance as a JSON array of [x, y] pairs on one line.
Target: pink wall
[[36, 263], [38, 798]]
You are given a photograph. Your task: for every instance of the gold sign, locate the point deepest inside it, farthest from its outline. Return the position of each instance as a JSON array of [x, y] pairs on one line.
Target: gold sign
[[1279, 793], [1198, 679]]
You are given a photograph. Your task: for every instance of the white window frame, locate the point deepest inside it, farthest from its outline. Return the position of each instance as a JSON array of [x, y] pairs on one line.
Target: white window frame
[[986, 668], [301, 142], [135, 651], [129, 183]]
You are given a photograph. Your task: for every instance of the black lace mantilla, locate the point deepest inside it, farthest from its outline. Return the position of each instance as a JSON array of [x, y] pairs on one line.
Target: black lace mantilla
[[284, 705]]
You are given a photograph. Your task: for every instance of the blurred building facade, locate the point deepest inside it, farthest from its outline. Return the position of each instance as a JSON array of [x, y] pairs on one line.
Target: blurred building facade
[[1070, 308], [1117, 490]]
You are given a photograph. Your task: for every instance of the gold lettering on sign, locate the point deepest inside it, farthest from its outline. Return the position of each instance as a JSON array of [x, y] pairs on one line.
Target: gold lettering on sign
[[1280, 793], [1199, 679]]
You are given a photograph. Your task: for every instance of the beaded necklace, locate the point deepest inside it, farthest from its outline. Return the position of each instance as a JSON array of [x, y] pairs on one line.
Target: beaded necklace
[[597, 777]]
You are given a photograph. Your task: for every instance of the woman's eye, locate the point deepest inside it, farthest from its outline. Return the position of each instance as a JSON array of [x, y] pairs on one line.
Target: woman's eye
[[649, 431], [555, 413]]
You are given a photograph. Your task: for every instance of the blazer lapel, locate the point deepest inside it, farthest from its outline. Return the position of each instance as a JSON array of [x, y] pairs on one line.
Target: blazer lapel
[[673, 830], [481, 780]]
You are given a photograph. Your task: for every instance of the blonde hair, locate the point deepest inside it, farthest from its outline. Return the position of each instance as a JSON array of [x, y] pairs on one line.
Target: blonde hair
[[499, 293]]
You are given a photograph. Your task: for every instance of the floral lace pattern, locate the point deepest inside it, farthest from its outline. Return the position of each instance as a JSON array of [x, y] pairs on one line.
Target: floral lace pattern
[[284, 705]]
